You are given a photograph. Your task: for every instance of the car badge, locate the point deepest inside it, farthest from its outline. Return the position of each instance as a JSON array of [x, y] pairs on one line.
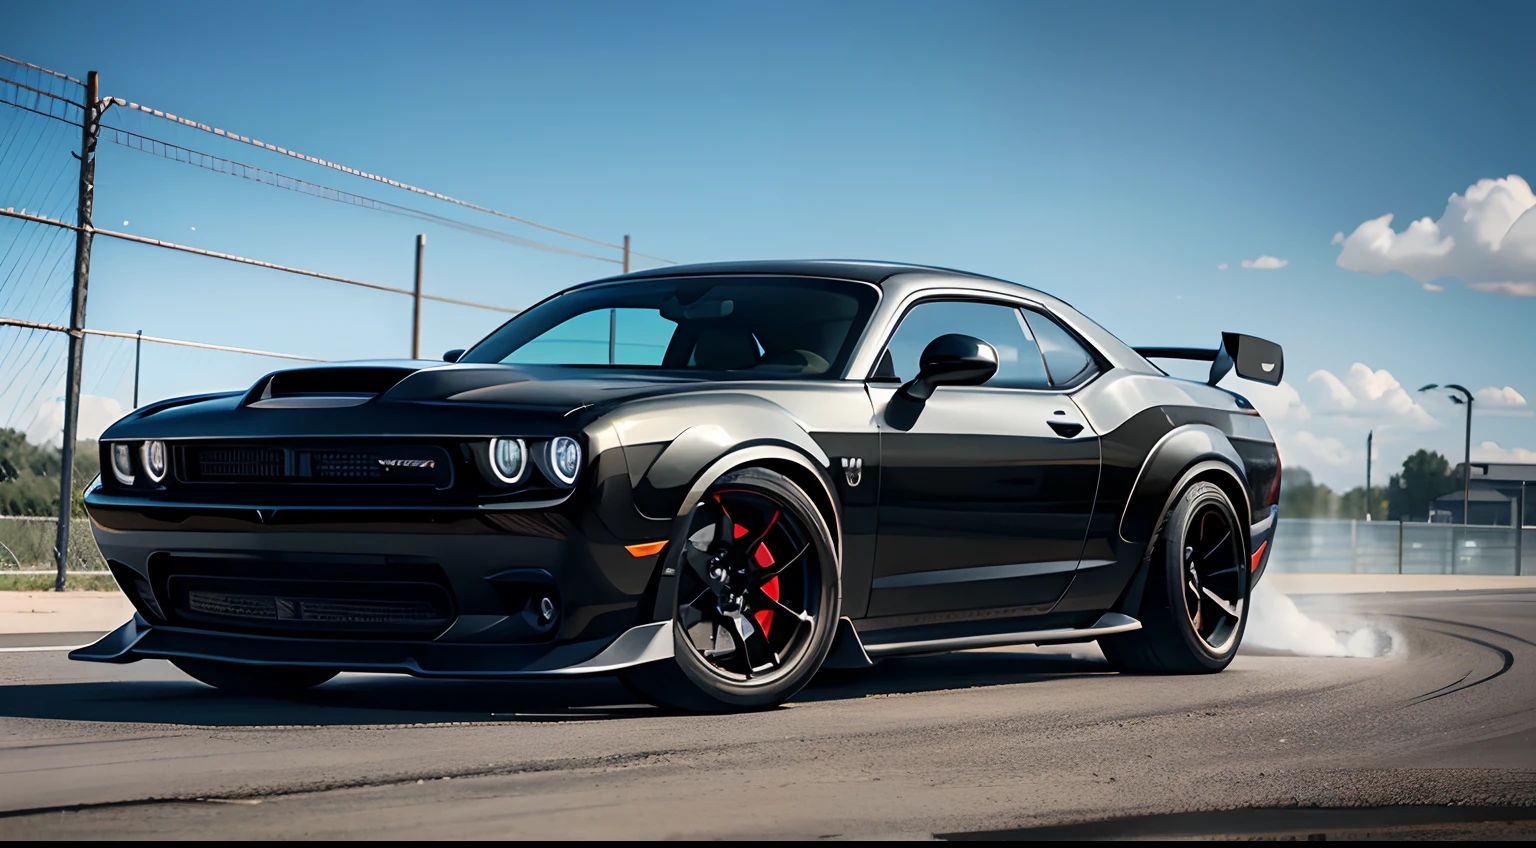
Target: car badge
[[853, 470], [408, 463]]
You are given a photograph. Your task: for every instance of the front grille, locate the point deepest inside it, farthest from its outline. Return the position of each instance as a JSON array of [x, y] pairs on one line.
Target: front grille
[[332, 465], [244, 463], [384, 464]]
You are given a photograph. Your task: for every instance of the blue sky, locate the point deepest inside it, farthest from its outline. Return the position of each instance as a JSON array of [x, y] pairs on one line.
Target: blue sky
[[1114, 154]]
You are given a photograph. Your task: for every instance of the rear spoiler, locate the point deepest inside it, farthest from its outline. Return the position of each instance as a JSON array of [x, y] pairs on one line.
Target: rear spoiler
[[1253, 358]]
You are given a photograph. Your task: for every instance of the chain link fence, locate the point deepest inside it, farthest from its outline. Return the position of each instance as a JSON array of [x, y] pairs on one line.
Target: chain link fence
[[26, 545], [1394, 547]]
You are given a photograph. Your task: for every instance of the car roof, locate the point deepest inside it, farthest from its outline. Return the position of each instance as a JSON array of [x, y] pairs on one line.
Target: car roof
[[904, 278], [840, 269]]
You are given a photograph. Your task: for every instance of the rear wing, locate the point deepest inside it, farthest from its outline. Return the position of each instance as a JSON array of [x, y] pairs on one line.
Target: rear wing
[[1253, 358]]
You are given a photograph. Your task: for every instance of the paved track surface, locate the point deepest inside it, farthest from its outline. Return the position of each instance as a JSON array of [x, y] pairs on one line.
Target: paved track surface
[[1438, 740]]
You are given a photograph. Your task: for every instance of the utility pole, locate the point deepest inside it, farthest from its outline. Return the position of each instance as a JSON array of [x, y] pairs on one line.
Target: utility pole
[[421, 248], [1466, 468], [1368, 436], [138, 346], [613, 316], [89, 129]]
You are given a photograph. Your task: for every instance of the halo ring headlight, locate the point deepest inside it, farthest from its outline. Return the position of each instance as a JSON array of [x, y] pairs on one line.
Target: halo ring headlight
[[155, 460], [565, 459], [508, 460], [122, 464]]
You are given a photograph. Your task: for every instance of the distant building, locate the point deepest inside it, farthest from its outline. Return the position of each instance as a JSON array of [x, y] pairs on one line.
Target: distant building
[[1502, 495]]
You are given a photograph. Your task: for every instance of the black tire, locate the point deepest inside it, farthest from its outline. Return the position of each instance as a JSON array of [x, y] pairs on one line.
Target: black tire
[[274, 681], [1187, 606], [694, 682]]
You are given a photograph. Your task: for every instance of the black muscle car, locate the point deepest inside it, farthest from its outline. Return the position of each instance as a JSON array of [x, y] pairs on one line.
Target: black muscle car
[[710, 480]]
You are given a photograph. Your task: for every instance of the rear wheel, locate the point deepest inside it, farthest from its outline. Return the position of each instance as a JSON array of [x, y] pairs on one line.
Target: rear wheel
[[757, 599], [1193, 609], [260, 680]]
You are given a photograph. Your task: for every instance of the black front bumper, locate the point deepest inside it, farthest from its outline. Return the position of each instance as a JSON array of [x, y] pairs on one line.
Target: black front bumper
[[138, 640], [482, 571]]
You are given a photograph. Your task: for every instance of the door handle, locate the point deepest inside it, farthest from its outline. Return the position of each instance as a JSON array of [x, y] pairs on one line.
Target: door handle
[[1066, 429]]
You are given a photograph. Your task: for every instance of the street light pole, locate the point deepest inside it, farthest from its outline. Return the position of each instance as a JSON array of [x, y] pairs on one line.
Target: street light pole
[[1466, 465], [1368, 437]]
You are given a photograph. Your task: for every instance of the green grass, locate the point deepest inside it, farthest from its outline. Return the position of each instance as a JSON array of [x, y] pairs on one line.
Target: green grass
[[29, 544], [44, 582]]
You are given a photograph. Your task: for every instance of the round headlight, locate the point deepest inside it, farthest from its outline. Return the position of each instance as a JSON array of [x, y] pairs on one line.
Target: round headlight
[[509, 458], [122, 464], [565, 459], [152, 455]]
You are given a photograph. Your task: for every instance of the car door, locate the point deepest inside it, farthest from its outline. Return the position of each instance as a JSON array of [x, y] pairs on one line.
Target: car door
[[986, 496]]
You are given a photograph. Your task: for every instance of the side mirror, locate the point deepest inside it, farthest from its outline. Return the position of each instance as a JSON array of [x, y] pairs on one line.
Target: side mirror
[[453, 355], [952, 360]]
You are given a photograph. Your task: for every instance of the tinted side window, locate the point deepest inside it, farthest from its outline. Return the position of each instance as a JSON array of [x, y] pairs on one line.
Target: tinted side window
[[1067, 360], [1018, 357]]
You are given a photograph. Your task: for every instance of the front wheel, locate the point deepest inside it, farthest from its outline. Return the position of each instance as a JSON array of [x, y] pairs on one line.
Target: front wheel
[[757, 599], [1196, 596], [261, 680]]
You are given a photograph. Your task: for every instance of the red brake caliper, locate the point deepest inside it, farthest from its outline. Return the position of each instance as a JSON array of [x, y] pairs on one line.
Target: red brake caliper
[[764, 559]]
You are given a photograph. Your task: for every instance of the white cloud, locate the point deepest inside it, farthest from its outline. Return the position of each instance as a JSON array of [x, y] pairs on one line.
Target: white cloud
[[1486, 237], [1275, 403], [1495, 396], [1304, 449], [97, 413], [1431, 287], [1265, 263], [1222, 267], [1506, 288], [1366, 393], [1491, 452]]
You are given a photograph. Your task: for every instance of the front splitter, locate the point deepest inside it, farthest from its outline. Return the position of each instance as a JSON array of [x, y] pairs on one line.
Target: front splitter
[[139, 640]]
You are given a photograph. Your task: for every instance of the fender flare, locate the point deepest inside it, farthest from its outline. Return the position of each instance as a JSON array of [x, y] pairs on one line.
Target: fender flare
[[1179, 457], [742, 457]]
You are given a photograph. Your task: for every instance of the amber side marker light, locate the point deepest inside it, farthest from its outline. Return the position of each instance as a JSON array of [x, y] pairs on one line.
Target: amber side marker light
[[646, 549]]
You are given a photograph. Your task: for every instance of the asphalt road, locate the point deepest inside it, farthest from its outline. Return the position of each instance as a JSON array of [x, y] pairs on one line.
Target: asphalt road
[[1437, 740]]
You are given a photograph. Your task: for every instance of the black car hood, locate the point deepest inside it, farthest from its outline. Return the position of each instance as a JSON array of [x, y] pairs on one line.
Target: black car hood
[[400, 398], [551, 388]]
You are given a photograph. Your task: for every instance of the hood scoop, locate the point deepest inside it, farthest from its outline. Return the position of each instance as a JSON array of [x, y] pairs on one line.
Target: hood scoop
[[324, 386]]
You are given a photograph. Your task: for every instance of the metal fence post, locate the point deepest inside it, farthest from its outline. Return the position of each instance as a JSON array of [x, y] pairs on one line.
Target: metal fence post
[[90, 126], [1399, 546]]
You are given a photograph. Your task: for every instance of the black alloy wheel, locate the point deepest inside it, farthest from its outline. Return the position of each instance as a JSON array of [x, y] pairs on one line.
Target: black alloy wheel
[[1214, 578], [1195, 599], [756, 598]]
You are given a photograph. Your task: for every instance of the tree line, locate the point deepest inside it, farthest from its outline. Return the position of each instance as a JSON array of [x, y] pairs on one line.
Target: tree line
[[1407, 496], [29, 475]]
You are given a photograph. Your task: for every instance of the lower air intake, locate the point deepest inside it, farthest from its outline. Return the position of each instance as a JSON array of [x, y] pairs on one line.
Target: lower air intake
[[274, 608]]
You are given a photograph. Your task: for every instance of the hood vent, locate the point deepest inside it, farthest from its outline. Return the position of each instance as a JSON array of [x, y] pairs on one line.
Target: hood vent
[[324, 387]]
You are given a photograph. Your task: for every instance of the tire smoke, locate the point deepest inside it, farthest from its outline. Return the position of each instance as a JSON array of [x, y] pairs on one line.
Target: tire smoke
[[1276, 625]]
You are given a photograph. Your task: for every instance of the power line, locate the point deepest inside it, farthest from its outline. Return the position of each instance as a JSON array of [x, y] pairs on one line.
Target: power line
[[43, 93], [324, 163], [220, 165], [37, 325], [10, 213], [43, 70]]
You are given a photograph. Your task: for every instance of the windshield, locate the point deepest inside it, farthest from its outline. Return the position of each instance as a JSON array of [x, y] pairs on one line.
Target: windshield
[[744, 327]]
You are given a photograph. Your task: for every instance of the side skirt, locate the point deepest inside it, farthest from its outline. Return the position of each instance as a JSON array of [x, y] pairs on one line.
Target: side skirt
[[848, 648]]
